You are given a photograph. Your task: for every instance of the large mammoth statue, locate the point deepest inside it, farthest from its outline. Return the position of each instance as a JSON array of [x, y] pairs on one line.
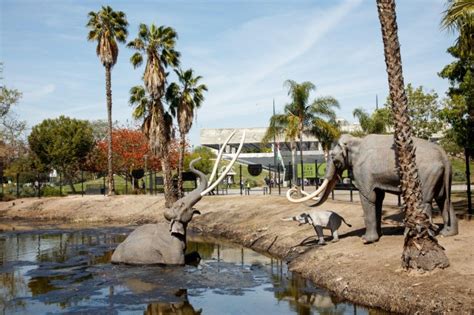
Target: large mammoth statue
[[372, 160], [166, 243]]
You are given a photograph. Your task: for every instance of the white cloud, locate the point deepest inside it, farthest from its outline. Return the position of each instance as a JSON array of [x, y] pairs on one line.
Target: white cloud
[[37, 93]]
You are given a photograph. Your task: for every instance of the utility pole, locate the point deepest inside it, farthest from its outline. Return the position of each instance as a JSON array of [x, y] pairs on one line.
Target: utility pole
[[274, 142], [376, 102]]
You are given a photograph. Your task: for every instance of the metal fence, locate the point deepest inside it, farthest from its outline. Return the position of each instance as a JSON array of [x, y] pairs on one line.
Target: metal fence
[[277, 179]]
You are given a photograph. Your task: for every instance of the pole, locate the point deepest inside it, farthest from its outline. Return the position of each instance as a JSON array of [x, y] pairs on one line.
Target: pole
[[126, 184], [316, 179], [18, 185], [468, 178], [301, 160], [150, 176], [240, 182], [274, 140], [279, 179], [60, 185], [270, 179], [291, 171], [82, 183], [103, 185]]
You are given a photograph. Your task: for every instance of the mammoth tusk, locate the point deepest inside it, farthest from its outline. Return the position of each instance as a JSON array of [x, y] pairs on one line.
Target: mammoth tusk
[[227, 169], [287, 219], [219, 156], [307, 196]]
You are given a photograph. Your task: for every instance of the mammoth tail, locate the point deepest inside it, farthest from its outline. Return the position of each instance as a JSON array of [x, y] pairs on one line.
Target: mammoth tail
[[345, 222]]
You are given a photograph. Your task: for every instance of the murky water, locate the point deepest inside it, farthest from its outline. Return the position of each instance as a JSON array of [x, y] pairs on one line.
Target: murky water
[[69, 271]]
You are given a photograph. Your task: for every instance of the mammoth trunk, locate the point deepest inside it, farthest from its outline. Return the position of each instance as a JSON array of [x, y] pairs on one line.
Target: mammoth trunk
[[331, 176]]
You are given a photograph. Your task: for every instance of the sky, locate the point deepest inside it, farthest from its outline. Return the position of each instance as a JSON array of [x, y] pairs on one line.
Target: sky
[[244, 50]]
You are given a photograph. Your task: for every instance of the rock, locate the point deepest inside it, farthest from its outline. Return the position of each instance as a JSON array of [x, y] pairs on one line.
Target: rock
[[150, 244]]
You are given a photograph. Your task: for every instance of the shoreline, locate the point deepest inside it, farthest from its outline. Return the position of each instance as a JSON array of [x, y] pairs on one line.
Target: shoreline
[[368, 275]]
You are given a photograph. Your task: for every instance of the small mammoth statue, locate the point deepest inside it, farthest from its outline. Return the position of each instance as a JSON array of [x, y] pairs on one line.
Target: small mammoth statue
[[321, 220]]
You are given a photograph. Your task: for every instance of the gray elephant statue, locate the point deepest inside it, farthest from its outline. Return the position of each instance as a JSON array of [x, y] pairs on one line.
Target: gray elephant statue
[[372, 160], [165, 243]]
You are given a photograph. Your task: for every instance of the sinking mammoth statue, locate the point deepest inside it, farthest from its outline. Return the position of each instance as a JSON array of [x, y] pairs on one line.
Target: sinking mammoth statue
[[372, 160], [165, 243]]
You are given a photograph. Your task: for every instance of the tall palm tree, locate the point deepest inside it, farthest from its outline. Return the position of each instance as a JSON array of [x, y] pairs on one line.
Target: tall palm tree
[[157, 44], [421, 249], [459, 16], [307, 113], [108, 27], [184, 99]]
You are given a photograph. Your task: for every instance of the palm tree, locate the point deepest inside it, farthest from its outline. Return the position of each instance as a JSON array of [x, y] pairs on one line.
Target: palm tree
[[305, 113], [375, 123], [184, 99], [459, 17], [108, 27], [302, 117], [284, 125], [157, 45], [326, 132], [421, 249]]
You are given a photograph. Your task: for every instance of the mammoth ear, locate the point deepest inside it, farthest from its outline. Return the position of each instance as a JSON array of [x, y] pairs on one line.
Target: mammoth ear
[[177, 228]]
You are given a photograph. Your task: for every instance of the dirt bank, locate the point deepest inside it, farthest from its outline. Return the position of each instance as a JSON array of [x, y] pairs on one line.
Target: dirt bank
[[365, 274]]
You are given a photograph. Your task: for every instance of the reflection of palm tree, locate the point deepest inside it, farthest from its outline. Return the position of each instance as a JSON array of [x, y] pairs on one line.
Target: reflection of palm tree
[[180, 308], [419, 241], [295, 291]]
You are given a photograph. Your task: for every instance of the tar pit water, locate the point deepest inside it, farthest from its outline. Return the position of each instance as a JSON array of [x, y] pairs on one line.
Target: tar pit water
[[69, 271]]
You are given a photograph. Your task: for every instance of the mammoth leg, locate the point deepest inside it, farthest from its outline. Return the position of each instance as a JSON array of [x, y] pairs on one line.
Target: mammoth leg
[[319, 232], [449, 217], [370, 218], [379, 197], [335, 236]]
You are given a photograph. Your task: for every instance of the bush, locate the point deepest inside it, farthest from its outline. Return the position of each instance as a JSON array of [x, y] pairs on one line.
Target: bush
[[49, 191]]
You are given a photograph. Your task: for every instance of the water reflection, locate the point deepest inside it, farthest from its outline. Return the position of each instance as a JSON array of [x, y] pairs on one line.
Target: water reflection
[[70, 271], [182, 307]]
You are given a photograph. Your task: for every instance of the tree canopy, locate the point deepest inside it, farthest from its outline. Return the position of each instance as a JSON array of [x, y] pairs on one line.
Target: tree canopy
[[62, 143]]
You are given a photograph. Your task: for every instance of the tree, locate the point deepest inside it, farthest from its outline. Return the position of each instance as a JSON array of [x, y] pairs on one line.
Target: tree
[[377, 123], [62, 144], [184, 99], [205, 164], [11, 128], [459, 110], [458, 17], [108, 27], [157, 45], [284, 125], [130, 148], [423, 109], [421, 249], [327, 132], [302, 117]]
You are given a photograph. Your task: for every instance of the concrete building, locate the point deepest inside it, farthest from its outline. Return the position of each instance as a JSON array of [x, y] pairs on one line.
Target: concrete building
[[255, 151]]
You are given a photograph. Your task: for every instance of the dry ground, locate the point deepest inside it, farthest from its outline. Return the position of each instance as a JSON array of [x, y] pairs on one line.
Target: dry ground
[[365, 274]]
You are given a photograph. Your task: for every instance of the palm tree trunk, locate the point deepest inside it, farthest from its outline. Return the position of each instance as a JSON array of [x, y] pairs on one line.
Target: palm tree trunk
[[182, 147], [293, 162], [164, 146], [421, 249], [108, 90]]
